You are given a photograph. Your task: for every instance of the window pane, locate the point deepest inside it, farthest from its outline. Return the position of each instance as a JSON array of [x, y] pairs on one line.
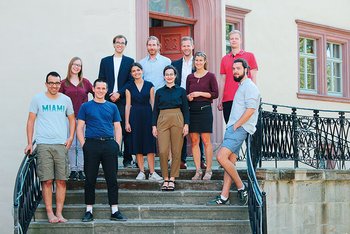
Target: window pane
[[329, 83], [179, 8], [301, 45], [311, 81], [336, 51], [310, 49], [301, 81], [337, 69], [329, 53], [157, 5], [338, 85], [311, 66], [302, 65], [329, 69]]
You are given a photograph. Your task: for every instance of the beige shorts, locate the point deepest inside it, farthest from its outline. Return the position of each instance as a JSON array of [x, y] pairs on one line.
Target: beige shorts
[[52, 162]]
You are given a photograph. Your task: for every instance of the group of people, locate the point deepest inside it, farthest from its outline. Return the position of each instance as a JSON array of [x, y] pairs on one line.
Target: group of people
[[150, 105]]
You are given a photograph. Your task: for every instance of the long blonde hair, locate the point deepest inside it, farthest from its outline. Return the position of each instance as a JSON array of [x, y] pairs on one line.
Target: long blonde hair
[[80, 74]]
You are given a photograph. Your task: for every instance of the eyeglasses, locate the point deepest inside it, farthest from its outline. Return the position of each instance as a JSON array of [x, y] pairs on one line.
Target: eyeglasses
[[119, 43], [77, 65], [53, 83]]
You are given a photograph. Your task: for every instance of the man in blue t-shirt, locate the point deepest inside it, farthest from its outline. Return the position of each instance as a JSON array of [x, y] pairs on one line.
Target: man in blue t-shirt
[[101, 145], [48, 112]]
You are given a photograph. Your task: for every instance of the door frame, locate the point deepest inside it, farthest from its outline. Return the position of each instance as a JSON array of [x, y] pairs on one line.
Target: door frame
[[208, 39]]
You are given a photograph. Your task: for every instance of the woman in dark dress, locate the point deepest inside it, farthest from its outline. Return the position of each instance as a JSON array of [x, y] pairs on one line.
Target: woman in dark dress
[[138, 121], [201, 88]]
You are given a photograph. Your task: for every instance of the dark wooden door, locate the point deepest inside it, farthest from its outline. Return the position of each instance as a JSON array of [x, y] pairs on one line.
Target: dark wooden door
[[170, 39]]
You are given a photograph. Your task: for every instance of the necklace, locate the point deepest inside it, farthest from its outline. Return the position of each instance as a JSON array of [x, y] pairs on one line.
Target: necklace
[[199, 76]]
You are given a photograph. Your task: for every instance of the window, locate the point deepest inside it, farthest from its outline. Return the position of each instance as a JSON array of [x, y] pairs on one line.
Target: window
[[334, 69], [307, 69], [234, 21], [173, 7], [323, 62]]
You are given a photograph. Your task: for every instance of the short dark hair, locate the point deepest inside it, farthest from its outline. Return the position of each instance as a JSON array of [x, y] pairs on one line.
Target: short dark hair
[[136, 64], [120, 36], [243, 61], [170, 67], [100, 80], [53, 73]]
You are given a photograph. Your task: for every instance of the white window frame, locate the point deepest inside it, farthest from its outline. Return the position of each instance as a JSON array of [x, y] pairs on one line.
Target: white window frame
[[332, 60], [305, 56]]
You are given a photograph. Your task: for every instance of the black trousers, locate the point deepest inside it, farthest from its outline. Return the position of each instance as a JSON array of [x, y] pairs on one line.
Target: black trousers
[[106, 153], [227, 110]]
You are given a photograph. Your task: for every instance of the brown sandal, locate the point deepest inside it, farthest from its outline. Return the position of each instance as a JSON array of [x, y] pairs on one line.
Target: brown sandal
[[171, 187], [165, 187]]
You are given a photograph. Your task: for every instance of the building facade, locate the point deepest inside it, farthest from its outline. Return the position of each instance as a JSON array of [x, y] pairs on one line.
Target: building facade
[[302, 49]]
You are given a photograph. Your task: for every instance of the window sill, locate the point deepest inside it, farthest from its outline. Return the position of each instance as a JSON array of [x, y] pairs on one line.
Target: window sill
[[318, 97]]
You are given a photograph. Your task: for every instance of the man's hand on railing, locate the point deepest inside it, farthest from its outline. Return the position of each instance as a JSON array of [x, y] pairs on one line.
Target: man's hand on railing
[[28, 150], [69, 142]]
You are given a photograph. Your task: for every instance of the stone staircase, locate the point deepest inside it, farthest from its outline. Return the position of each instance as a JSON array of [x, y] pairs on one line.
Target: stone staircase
[[150, 210]]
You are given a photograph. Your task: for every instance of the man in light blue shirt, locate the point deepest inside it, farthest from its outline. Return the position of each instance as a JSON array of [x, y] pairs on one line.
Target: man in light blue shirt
[[48, 113], [154, 63], [242, 121]]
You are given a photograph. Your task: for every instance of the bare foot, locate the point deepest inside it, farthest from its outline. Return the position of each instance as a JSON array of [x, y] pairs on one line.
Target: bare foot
[[52, 218], [61, 219]]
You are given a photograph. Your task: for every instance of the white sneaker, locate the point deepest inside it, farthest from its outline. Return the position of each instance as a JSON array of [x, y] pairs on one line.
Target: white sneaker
[[141, 176], [155, 177]]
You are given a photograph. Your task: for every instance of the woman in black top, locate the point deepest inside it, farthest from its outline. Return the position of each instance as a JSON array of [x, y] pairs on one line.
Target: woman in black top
[[170, 125]]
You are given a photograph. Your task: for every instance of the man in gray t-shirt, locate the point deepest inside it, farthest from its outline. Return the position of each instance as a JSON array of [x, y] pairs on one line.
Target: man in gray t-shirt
[[48, 113], [242, 121]]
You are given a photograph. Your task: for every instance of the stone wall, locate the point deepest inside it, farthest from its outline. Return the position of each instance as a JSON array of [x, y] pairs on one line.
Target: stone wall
[[306, 201]]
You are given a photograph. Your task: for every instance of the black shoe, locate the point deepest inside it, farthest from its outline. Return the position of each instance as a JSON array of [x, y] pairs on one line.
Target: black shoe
[[73, 175], [183, 165], [127, 165], [81, 176], [88, 217], [243, 195], [117, 216]]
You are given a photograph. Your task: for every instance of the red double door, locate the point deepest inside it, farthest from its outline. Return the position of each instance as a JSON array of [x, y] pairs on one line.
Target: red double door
[[170, 39]]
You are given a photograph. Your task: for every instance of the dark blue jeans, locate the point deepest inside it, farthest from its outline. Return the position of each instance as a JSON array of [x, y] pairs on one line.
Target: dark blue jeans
[[106, 153]]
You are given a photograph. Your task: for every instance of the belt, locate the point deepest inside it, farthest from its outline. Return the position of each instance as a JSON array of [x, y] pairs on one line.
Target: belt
[[101, 139]]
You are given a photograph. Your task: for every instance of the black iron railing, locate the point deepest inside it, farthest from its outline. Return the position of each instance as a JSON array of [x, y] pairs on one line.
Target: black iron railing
[[317, 138], [27, 194], [256, 198]]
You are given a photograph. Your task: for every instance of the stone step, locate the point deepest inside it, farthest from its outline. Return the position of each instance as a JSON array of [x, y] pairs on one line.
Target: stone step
[[132, 184], [166, 226], [141, 197], [156, 211], [185, 174]]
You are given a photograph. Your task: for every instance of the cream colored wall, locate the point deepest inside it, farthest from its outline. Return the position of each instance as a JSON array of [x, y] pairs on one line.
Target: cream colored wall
[[271, 34], [40, 36]]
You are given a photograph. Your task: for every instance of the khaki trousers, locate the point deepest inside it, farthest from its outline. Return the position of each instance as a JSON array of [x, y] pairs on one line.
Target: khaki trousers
[[170, 126]]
